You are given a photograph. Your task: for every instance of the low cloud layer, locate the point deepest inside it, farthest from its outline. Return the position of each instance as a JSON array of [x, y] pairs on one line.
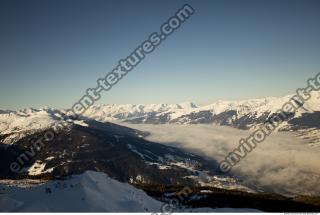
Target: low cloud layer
[[282, 164]]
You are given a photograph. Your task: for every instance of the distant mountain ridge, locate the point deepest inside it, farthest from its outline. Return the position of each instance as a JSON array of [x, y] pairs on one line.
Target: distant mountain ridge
[[243, 114]]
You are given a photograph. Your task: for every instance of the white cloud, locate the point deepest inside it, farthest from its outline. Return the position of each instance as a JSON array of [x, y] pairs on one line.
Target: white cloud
[[283, 163]]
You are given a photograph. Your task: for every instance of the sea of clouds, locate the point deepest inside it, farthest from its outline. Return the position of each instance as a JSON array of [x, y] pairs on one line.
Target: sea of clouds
[[283, 163]]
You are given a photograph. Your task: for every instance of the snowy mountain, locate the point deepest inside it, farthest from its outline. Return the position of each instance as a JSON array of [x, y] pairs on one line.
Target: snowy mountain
[[241, 114], [245, 114]]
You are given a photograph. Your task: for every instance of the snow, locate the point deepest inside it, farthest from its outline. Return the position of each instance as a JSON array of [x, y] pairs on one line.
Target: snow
[[90, 191], [263, 105], [49, 158], [133, 149], [18, 124], [80, 122], [160, 166], [37, 168], [23, 121]]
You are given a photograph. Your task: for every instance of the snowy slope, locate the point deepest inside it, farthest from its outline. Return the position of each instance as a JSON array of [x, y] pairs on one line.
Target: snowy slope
[[89, 192], [15, 125]]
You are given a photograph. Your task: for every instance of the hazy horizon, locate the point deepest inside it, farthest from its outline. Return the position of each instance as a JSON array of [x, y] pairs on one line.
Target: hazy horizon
[[137, 103]]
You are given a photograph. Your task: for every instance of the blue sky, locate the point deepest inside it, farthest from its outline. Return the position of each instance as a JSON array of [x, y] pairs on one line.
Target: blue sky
[[52, 51]]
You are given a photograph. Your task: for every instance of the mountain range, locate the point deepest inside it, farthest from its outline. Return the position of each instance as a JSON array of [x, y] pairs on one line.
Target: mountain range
[[96, 142], [240, 114]]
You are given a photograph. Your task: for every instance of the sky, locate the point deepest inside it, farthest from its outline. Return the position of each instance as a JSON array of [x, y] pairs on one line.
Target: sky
[[52, 51]]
